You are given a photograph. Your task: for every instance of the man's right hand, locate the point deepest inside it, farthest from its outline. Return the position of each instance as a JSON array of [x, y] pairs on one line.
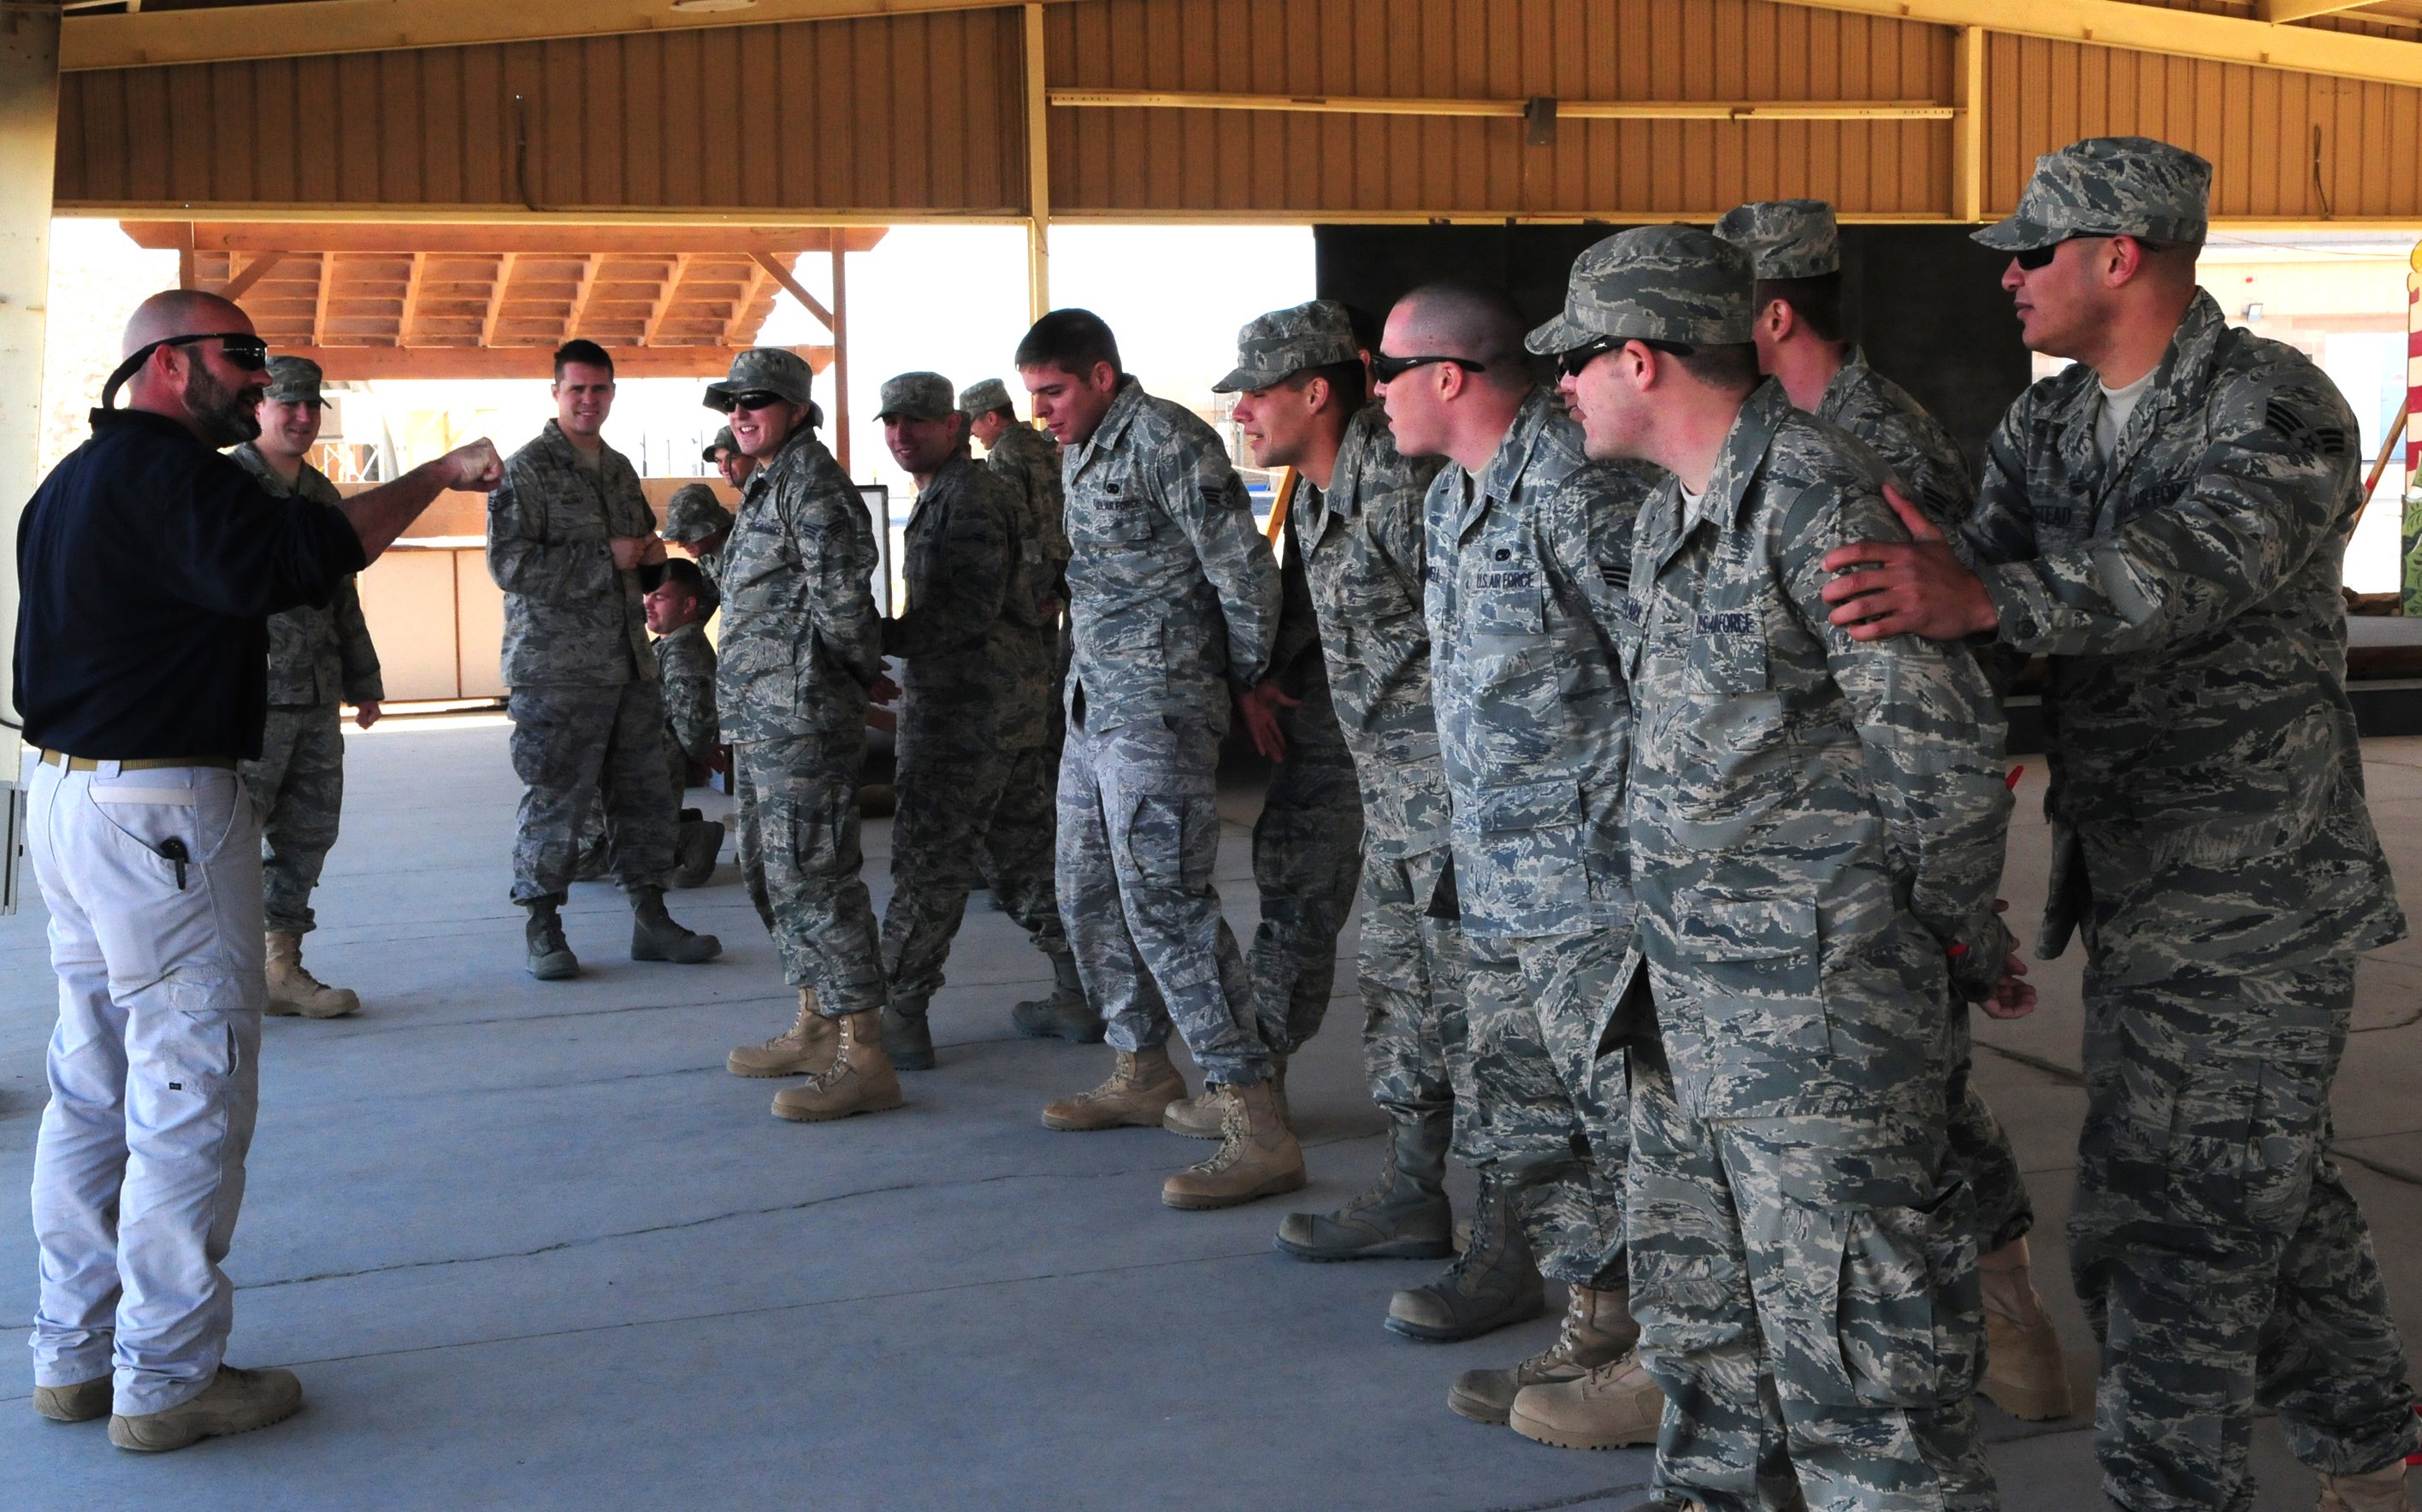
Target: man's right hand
[[632, 552], [474, 468]]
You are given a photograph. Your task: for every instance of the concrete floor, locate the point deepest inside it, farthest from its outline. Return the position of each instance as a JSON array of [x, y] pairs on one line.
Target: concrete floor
[[529, 1246]]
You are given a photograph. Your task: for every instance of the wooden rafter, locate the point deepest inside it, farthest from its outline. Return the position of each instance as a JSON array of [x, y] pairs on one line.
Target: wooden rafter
[[497, 299], [254, 270], [580, 292], [411, 301], [2279, 13], [664, 292], [319, 300], [736, 326], [354, 363], [782, 276], [403, 235]]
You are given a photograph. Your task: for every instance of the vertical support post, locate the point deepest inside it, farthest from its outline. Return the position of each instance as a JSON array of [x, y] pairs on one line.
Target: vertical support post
[[1038, 171], [29, 136], [840, 353], [1968, 125], [2409, 578]]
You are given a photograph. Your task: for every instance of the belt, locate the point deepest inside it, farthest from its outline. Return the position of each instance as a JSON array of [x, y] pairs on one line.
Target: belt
[[141, 763]]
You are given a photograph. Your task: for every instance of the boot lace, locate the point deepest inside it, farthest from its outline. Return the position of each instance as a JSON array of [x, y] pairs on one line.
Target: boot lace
[[1232, 1133]]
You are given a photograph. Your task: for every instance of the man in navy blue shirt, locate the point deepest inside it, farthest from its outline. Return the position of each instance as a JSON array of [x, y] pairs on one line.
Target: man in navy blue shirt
[[149, 564]]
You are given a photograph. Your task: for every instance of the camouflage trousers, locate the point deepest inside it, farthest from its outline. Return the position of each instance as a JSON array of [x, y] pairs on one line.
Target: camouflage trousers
[[1981, 1151], [2219, 1254], [1416, 1049], [570, 746], [796, 800], [1307, 862], [1542, 1119], [298, 784], [965, 818], [1139, 839], [1807, 1297]]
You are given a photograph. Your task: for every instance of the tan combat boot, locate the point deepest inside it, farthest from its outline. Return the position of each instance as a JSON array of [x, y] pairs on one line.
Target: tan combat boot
[[859, 1081], [2024, 1373], [1597, 1330], [2375, 1490], [1140, 1086], [805, 1049], [292, 990], [1613, 1406], [1205, 1117], [1257, 1157], [235, 1401]]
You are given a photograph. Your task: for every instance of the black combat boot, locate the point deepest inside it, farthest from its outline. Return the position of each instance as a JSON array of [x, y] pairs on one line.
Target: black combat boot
[[655, 937], [907, 1037], [550, 958], [1403, 1217], [1492, 1283], [1064, 1014]]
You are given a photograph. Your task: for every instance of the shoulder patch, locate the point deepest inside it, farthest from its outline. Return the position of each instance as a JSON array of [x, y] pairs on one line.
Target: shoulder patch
[[2319, 440]]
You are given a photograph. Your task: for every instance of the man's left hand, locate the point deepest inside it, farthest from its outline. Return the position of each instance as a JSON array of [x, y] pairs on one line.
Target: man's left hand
[[366, 714], [1260, 705], [1913, 588]]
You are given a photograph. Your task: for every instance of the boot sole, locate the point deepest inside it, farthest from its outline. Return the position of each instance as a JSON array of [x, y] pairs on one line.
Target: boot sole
[[61, 1405], [794, 1069], [1457, 1333], [1078, 1036], [683, 959], [1390, 1250], [1537, 1432], [125, 1437], [1068, 1125], [1190, 1133], [806, 1115], [545, 972], [1476, 1409], [1197, 1203], [2030, 1403]]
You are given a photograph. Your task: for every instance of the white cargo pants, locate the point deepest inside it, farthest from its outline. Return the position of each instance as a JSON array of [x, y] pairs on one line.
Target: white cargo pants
[[139, 1167]]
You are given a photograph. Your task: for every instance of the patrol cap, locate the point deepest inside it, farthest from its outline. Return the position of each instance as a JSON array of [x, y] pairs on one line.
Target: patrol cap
[[1785, 238], [722, 442], [694, 514], [984, 397], [293, 381], [2109, 186], [1274, 346], [1653, 283], [916, 396], [770, 369]]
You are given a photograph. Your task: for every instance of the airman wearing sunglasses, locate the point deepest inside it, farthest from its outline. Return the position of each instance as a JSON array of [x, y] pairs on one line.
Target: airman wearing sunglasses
[[2166, 520], [1796, 254], [1530, 549], [802, 650]]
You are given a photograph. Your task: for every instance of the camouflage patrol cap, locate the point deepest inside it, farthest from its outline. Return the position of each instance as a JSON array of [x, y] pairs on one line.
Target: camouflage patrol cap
[[984, 397], [916, 396], [293, 381], [2109, 186], [1653, 283], [1283, 342], [772, 369], [694, 514], [722, 442], [1785, 237]]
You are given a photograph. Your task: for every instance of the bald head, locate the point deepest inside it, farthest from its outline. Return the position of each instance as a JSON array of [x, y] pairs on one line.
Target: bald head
[[1457, 319], [180, 312]]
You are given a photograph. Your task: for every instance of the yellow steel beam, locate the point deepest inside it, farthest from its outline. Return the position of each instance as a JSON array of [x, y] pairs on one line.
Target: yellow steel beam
[[1968, 134], [2146, 29], [355, 363], [311, 27], [2279, 13], [1038, 172], [798, 291], [1566, 109]]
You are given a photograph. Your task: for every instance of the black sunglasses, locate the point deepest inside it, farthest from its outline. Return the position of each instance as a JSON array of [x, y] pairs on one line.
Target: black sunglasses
[[243, 348], [756, 399], [1571, 363], [1387, 369], [2040, 257]]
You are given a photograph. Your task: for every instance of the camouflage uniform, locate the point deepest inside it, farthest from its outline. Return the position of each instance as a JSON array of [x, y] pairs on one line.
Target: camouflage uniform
[[587, 709], [1172, 597], [1527, 568], [1798, 239], [695, 514], [801, 646], [685, 670], [318, 657], [2213, 846], [975, 686], [1804, 1275]]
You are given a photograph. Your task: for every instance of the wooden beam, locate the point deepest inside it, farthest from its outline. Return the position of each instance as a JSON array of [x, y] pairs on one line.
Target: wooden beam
[[304, 29], [1038, 170], [411, 301], [736, 326], [1968, 127], [355, 363], [560, 237], [320, 297], [241, 283], [580, 292], [496, 311], [841, 359], [782, 276], [2144, 28], [2279, 13], [665, 293], [1511, 109]]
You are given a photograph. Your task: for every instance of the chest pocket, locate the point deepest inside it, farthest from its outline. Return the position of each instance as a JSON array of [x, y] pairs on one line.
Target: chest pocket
[[1728, 652], [1503, 594], [1113, 511]]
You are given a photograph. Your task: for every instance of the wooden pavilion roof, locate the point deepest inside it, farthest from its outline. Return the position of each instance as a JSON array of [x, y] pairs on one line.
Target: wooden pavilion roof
[[458, 301]]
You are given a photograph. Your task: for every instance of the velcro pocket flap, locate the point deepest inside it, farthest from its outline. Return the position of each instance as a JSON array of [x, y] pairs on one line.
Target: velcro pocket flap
[[1719, 927], [1531, 805]]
